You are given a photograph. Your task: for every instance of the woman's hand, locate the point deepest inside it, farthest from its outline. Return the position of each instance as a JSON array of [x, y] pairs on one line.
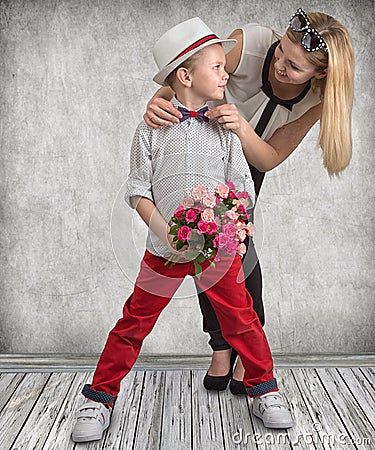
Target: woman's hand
[[160, 113], [228, 116]]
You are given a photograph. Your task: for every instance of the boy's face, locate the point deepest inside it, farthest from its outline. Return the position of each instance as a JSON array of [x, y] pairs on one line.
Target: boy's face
[[208, 75]]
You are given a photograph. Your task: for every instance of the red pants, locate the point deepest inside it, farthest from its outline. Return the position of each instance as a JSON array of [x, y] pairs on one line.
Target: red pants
[[154, 288]]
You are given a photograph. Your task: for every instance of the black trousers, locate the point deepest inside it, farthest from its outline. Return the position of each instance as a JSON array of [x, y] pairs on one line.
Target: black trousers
[[253, 281]]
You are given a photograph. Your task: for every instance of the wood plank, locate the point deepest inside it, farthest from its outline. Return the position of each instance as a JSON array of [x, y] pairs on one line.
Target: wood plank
[[356, 423], [173, 410], [60, 434], [327, 425], [19, 406], [82, 363], [237, 421], [176, 433], [361, 390], [44, 412], [121, 432], [206, 424], [301, 435], [8, 384], [369, 373], [149, 426], [267, 438]]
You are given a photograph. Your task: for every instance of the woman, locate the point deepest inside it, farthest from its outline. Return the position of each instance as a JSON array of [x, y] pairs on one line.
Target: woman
[[278, 89]]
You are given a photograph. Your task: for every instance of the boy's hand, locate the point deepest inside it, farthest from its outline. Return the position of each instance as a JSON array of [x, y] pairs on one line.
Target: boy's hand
[[245, 201], [172, 246]]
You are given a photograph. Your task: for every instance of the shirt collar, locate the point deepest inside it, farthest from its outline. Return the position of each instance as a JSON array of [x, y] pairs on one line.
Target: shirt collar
[[177, 103]]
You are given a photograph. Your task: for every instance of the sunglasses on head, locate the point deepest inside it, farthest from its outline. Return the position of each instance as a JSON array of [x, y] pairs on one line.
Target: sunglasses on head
[[311, 40]]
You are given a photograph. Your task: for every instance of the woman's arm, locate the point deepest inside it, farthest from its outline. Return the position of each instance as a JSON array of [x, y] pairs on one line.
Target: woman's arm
[[159, 110], [266, 155], [233, 57]]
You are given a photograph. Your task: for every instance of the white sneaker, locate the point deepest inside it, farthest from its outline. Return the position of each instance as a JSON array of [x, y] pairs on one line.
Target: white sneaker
[[92, 419], [272, 409]]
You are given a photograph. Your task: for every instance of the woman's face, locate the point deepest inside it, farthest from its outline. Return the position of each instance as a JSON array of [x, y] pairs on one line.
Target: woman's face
[[291, 65]]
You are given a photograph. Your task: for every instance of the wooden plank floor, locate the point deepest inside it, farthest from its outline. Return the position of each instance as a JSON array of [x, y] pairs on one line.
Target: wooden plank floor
[[170, 410]]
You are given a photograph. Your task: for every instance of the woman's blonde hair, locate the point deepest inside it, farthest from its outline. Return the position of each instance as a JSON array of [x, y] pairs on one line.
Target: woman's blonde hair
[[335, 137]]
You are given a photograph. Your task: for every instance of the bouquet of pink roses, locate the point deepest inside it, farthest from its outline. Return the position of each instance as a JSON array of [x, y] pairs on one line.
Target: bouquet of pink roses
[[211, 224]]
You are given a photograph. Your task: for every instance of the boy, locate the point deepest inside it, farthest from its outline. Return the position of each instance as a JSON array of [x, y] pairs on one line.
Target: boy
[[166, 164]]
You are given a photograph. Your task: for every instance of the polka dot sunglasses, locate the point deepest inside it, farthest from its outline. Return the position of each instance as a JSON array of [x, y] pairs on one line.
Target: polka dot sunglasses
[[311, 40]]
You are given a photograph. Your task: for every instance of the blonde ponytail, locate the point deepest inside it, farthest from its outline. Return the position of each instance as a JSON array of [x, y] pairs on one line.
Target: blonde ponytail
[[335, 137]]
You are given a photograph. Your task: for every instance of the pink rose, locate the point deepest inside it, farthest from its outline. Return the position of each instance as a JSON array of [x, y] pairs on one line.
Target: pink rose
[[231, 247], [231, 185], [209, 200], [207, 227], [202, 226], [241, 234], [190, 216], [221, 240], [208, 215], [179, 213], [222, 190], [198, 192], [250, 229], [241, 209], [231, 215], [187, 202], [184, 233], [229, 229], [212, 227], [241, 249]]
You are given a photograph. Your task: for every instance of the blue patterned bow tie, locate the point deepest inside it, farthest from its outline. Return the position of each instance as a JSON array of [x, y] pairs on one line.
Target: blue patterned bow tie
[[199, 115]]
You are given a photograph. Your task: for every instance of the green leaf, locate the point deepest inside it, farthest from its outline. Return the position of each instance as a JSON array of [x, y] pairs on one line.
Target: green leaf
[[179, 245], [200, 258], [173, 229], [198, 269]]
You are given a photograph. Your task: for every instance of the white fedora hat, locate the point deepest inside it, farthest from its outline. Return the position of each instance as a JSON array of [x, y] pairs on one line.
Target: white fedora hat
[[181, 42]]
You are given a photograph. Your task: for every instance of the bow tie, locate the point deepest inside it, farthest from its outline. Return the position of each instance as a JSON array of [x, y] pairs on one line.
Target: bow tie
[[199, 115]]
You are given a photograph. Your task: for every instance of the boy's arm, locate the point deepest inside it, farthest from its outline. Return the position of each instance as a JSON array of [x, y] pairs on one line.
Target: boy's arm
[[152, 218], [139, 182], [138, 193]]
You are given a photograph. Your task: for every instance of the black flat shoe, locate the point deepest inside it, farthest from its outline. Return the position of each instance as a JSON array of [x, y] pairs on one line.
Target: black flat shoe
[[220, 383], [237, 387], [212, 383]]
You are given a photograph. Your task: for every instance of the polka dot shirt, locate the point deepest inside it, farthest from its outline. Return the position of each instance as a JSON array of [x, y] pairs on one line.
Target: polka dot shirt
[[166, 163]]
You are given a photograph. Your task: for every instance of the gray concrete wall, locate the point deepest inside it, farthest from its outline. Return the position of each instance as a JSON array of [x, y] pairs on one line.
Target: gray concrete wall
[[75, 77]]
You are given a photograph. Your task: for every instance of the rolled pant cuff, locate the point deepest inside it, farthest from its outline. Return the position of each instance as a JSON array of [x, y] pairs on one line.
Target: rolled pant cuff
[[96, 396], [263, 388]]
